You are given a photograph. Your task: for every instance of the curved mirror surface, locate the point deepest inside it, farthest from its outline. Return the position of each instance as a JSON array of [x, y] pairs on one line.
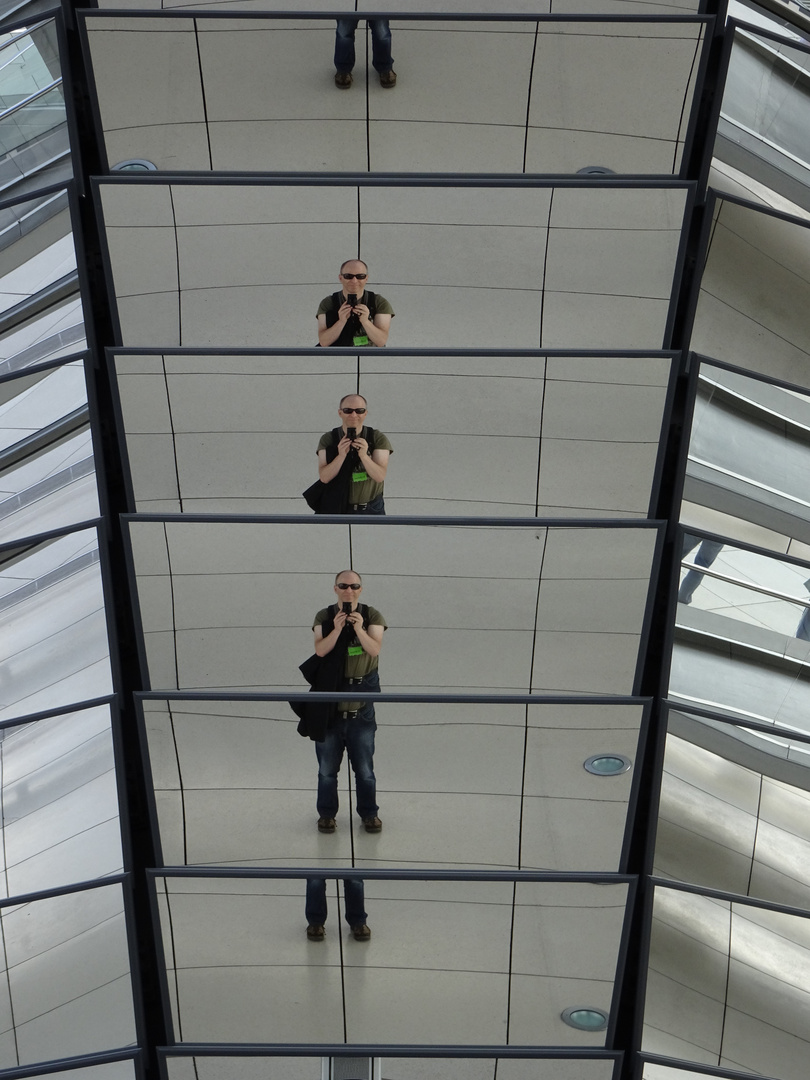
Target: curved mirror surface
[[410, 1068], [580, 267], [530, 97], [232, 604], [239, 963], [508, 785], [483, 436]]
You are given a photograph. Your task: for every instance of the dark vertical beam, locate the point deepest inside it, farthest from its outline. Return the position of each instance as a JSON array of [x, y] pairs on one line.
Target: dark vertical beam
[[138, 841]]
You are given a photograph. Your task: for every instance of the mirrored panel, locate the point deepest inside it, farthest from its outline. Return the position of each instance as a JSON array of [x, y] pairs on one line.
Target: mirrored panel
[[66, 986], [543, 609], [728, 985], [252, 95], [742, 634], [47, 474], [53, 614], [580, 267], [124, 1069], [483, 436], [749, 456], [240, 961], [511, 785], [59, 802], [734, 810], [177, 1067], [51, 331], [755, 292]]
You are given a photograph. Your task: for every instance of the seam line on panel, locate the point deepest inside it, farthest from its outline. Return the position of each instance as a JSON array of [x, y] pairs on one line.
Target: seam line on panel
[[202, 95]]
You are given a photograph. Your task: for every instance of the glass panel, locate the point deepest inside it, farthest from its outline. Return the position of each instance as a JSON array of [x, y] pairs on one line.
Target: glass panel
[[240, 962], [728, 985], [56, 332], [60, 804], [66, 986], [53, 611], [734, 810]]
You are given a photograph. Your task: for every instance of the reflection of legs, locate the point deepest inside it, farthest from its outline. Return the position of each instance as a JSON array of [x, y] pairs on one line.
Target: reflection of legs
[[344, 44], [360, 747], [330, 756], [381, 59], [705, 556], [803, 629], [316, 901], [354, 897]]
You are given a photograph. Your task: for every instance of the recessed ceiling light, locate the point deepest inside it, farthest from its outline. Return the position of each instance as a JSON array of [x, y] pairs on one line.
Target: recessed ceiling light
[[584, 1018], [595, 170], [607, 764], [134, 165]]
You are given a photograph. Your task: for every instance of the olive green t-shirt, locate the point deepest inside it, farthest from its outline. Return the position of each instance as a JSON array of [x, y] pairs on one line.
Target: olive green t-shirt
[[362, 490], [359, 665]]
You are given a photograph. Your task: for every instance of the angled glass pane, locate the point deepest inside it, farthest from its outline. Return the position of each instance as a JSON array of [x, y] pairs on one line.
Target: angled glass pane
[[734, 810], [749, 455], [728, 985], [53, 610], [66, 987], [742, 638], [59, 802]]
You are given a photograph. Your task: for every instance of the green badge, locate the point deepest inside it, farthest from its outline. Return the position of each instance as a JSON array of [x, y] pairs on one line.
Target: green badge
[[355, 650], [360, 339], [358, 477]]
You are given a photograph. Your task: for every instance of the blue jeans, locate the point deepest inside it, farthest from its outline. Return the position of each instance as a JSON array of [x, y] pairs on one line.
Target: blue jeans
[[381, 58], [376, 506], [356, 736], [353, 896]]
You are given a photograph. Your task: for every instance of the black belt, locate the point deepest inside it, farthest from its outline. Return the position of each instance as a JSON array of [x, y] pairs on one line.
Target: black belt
[[358, 506]]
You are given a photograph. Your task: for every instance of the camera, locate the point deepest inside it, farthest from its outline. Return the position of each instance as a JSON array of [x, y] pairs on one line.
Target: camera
[[352, 298]]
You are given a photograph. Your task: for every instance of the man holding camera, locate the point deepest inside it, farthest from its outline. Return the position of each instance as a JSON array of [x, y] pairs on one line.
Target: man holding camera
[[354, 317], [355, 630], [353, 460]]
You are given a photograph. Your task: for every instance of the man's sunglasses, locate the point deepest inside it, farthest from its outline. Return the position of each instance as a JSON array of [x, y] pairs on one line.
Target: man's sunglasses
[[360, 277], [346, 585], [348, 412]]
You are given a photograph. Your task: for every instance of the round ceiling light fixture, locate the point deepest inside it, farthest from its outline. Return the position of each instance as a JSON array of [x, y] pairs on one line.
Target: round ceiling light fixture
[[585, 1018], [607, 764], [595, 170], [134, 165]]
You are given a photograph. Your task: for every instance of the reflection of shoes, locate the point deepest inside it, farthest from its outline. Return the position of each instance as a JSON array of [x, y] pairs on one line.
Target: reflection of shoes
[[388, 79], [343, 79], [372, 824], [315, 932], [326, 824], [360, 932]]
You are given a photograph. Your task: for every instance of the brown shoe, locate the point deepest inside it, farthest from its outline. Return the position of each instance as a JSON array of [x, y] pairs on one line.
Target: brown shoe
[[326, 824], [343, 79], [315, 932], [360, 932], [388, 79], [372, 824]]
